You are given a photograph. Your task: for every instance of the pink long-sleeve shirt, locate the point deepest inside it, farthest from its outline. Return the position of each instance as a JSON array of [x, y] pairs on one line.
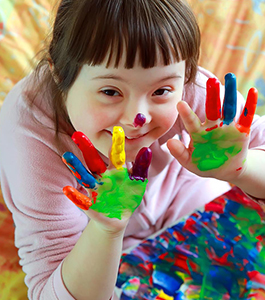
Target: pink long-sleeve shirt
[[47, 224]]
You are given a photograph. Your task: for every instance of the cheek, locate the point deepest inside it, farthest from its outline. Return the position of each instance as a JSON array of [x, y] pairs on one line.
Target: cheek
[[93, 122], [98, 118], [167, 117], [87, 117]]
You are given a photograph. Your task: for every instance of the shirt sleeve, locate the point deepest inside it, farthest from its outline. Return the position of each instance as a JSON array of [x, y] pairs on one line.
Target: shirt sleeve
[[47, 224]]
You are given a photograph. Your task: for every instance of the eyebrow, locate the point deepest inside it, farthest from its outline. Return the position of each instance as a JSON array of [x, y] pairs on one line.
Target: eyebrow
[[115, 77]]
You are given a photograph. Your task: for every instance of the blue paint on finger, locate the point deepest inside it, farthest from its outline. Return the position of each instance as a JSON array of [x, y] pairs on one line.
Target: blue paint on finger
[[229, 107], [80, 172]]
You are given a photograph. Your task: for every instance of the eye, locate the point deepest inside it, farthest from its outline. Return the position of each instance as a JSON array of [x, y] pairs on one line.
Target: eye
[[110, 92], [161, 92]]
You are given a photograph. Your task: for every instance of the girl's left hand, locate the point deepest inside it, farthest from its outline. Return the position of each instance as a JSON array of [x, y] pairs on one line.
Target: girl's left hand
[[219, 146]]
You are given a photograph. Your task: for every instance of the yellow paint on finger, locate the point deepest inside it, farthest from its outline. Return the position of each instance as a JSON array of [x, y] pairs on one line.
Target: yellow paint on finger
[[117, 154]]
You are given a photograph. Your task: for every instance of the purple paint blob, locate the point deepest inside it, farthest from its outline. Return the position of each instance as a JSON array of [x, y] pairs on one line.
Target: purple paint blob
[[141, 165], [139, 120]]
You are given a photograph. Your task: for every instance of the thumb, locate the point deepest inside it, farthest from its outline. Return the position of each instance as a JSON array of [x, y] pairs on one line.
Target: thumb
[[179, 151]]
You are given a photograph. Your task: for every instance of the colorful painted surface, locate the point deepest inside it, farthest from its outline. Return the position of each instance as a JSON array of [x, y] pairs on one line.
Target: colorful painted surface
[[216, 253]]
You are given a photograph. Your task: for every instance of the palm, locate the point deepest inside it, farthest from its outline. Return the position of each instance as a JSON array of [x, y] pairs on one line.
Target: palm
[[117, 198], [218, 153]]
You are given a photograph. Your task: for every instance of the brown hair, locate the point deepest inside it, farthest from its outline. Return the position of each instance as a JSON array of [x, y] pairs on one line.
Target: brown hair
[[89, 31]]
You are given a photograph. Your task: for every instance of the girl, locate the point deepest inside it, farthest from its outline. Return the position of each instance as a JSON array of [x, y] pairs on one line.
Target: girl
[[108, 61]]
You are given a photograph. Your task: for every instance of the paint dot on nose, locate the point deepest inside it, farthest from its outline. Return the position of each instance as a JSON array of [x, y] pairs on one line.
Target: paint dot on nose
[[139, 120]]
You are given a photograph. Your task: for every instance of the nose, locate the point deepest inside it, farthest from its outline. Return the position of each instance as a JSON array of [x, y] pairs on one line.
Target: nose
[[136, 113]]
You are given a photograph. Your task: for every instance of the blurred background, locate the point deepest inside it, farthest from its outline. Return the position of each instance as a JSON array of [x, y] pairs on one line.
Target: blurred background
[[233, 40]]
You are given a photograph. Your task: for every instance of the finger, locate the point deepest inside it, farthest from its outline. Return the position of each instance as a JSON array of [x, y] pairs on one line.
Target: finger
[[229, 107], [93, 160], [77, 198], [213, 102], [141, 164], [80, 172], [117, 154], [179, 151], [248, 112], [191, 121]]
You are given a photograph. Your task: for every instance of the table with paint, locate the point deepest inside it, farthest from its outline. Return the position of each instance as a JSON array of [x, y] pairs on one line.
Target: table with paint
[[218, 252]]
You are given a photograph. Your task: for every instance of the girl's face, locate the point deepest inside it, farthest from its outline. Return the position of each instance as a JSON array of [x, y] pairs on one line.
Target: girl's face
[[102, 98]]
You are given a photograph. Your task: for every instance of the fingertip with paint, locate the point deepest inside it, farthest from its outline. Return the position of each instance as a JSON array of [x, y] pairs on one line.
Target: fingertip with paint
[[213, 103], [77, 198], [117, 155], [141, 164], [93, 160], [230, 101], [79, 171], [246, 117]]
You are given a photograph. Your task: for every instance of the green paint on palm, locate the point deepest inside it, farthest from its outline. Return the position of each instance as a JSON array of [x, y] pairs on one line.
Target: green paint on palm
[[118, 194], [212, 149]]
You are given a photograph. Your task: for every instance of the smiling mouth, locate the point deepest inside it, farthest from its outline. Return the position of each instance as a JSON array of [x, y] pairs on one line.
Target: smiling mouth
[[129, 138]]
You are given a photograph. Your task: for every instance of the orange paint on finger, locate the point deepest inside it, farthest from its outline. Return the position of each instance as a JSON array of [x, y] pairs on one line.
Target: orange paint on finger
[[77, 198], [246, 117]]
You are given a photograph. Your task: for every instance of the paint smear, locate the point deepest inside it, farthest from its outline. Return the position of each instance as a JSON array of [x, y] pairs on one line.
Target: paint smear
[[118, 194], [212, 150], [217, 253]]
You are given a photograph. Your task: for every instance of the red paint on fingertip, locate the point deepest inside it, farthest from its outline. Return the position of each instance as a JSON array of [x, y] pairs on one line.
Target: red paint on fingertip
[[93, 160], [213, 103]]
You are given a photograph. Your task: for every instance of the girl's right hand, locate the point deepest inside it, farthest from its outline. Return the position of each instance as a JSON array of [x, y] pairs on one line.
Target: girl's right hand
[[114, 193]]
